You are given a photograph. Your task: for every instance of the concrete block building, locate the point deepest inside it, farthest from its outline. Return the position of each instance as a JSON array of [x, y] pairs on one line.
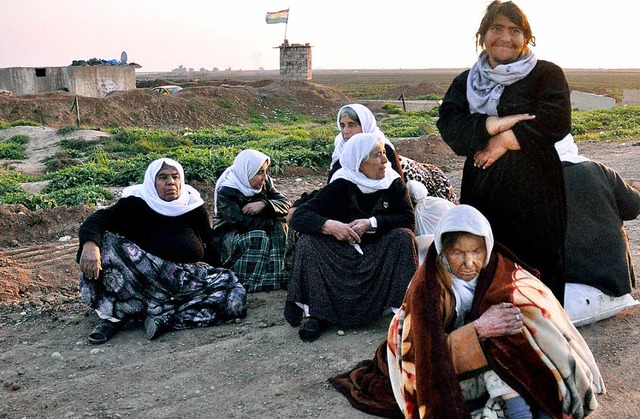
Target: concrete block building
[[295, 61]]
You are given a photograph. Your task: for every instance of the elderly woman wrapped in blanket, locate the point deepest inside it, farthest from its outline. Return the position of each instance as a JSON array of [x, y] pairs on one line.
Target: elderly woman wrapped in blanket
[[144, 256], [470, 338]]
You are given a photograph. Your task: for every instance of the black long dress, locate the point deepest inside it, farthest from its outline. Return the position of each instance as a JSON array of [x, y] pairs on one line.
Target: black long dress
[[330, 277], [522, 194]]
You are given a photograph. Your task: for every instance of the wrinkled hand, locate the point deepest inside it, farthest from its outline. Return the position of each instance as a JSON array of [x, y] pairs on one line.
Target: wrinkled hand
[[360, 226], [496, 147], [498, 124], [253, 208], [499, 320], [90, 264], [340, 231]]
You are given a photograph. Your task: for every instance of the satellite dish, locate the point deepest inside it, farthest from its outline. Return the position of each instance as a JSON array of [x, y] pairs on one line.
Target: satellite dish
[[123, 57]]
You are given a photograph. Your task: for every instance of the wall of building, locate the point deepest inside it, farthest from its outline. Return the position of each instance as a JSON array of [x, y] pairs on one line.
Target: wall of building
[[582, 101], [295, 61], [97, 81], [631, 97], [92, 81]]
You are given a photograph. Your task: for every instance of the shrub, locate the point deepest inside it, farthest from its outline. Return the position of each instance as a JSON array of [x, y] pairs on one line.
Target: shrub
[[87, 195], [429, 96], [24, 123], [33, 202], [67, 129], [14, 148], [392, 108], [59, 161]]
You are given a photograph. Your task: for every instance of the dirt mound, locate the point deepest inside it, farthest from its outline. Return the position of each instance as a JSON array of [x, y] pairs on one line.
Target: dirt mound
[[429, 149], [193, 107], [20, 226]]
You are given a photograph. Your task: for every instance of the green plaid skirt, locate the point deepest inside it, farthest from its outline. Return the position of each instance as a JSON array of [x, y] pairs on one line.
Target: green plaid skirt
[[257, 257]]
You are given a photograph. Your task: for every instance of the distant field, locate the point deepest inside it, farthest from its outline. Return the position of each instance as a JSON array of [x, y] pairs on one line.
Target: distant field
[[374, 84]]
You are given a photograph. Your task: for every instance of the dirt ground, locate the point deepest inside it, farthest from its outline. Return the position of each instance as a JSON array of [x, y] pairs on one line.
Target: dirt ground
[[254, 367]]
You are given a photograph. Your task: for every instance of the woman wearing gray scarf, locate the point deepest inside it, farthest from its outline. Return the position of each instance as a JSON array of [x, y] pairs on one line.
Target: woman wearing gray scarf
[[504, 115]]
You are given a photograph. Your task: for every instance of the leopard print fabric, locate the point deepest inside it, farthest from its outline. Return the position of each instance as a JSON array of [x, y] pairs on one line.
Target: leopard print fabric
[[431, 176]]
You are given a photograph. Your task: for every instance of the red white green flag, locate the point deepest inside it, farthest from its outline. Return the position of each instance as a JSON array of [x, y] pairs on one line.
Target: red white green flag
[[278, 17]]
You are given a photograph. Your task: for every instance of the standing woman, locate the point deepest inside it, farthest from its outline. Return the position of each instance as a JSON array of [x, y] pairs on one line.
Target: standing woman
[[143, 256], [505, 114], [249, 224]]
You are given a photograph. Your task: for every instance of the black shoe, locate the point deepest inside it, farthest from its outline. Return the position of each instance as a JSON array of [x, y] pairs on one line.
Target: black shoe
[[312, 329], [154, 327], [104, 331]]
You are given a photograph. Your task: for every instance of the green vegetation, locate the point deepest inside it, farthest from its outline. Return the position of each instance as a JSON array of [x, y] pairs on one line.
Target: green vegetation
[[430, 96], [16, 123], [622, 122], [14, 148], [67, 129], [82, 171]]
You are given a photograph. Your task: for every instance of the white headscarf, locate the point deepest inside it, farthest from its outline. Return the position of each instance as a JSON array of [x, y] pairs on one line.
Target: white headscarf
[[428, 209], [188, 199], [355, 151], [237, 176], [486, 84], [368, 124], [467, 219], [568, 150]]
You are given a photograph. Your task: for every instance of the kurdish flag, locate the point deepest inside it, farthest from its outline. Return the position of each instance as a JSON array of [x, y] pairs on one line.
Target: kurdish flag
[[278, 17]]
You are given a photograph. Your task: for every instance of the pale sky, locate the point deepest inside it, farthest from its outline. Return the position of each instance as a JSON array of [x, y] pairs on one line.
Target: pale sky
[[354, 34]]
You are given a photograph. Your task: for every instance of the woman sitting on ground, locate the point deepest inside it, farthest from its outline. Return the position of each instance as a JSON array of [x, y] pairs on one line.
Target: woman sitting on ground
[[249, 225], [599, 271], [144, 256], [356, 252], [477, 334]]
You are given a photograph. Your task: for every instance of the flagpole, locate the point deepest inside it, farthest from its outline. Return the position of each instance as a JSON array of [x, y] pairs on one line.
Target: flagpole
[[286, 25]]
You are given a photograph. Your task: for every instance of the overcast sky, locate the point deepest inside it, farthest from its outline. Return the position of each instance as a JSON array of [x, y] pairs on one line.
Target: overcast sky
[[355, 34]]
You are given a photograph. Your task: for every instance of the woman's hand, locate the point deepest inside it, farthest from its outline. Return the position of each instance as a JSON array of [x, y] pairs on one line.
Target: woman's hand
[[90, 263], [498, 124], [253, 208], [496, 147], [290, 214], [360, 226], [340, 231], [499, 320]]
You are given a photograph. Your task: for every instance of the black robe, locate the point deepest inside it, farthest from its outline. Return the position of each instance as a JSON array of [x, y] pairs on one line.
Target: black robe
[[522, 194]]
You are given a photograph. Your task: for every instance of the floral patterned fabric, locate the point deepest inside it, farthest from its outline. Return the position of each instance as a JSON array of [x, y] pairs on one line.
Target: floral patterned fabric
[[135, 283]]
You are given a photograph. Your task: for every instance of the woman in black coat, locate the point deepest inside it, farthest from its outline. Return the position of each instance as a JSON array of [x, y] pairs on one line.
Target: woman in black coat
[[504, 115], [249, 223]]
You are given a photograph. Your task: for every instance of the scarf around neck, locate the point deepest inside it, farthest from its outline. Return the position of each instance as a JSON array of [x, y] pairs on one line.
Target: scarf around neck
[[486, 84]]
